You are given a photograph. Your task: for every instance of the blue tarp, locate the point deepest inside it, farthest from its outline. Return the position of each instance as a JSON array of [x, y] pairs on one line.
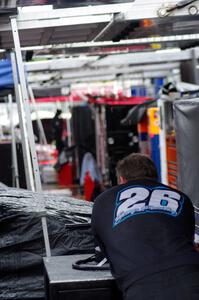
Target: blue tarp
[[6, 78]]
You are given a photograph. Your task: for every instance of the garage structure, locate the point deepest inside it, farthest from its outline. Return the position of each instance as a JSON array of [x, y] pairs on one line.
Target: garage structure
[[94, 42]]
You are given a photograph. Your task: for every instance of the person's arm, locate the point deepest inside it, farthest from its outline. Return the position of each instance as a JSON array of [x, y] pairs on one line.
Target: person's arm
[[94, 225], [192, 223]]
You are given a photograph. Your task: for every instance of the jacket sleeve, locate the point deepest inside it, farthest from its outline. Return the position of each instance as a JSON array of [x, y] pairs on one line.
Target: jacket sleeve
[[94, 220], [95, 225]]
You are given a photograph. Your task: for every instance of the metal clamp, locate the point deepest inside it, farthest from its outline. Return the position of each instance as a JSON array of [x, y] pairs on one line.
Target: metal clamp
[[163, 12], [193, 10]]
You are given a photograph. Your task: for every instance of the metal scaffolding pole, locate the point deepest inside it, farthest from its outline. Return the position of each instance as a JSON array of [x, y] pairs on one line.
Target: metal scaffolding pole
[[25, 98], [194, 61], [23, 129], [31, 149], [15, 170], [163, 152]]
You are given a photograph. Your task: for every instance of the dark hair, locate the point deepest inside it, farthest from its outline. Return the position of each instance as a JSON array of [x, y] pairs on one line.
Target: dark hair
[[135, 166]]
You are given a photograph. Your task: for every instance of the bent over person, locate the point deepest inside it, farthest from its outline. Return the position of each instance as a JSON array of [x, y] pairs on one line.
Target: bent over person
[[146, 230]]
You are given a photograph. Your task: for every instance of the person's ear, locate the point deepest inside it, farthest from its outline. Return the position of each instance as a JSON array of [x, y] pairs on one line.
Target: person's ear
[[122, 180]]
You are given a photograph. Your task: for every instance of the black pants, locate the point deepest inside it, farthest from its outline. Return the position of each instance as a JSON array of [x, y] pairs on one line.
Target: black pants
[[181, 283]]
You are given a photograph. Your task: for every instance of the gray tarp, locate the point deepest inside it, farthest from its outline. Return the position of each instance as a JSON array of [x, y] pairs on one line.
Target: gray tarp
[[186, 116]]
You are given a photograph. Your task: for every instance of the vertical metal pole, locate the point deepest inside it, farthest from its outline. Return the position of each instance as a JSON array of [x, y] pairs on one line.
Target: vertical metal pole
[[194, 66], [29, 125], [15, 170], [163, 152], [42, 136], [69, 132], [26, 104], [24, 134], [46, 237], [97, 137], [123, 85], [104, 150], [68, 122]]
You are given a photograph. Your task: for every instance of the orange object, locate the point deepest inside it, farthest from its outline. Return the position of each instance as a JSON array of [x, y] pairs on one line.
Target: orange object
[[147, 23], [89, 186], [154, 120], [172, 165], [143, 125], [65, 174]]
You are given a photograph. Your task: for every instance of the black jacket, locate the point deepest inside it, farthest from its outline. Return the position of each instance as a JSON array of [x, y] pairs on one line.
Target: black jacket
[[144, 227]]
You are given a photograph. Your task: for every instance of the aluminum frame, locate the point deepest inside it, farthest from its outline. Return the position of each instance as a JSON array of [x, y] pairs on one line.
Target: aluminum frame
[[15, 170], [23, 129], [28, 132], [103, 17]]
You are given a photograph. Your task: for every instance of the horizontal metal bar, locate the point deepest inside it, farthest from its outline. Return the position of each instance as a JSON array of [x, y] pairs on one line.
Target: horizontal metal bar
[[110, 70], [136, 41], [50, 13], [143, 58], [100, 72], [57, 64], [46, 23]]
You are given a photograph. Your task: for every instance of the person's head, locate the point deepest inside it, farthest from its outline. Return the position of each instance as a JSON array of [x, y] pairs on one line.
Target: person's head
[[135, 166]]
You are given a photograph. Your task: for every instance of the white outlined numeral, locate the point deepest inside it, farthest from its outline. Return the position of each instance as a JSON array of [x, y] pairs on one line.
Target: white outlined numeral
[[133, 197], [167, 199], [136, 200]]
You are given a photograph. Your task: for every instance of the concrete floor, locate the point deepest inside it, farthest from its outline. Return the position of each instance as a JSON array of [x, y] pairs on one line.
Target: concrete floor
[[72, 190]]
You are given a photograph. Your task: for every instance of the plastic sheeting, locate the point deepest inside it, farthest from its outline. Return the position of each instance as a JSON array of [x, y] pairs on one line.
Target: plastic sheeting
[[186, 116], [6, 78], [21, 238], [136, 113]]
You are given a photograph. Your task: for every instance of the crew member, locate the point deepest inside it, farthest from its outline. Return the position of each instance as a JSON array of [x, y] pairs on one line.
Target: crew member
[[146, 231], [57, 130]]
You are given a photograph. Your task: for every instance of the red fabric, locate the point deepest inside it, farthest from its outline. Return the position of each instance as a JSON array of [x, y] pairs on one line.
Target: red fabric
[[89, 186], [65, 174], [120, 101], [59, 99]]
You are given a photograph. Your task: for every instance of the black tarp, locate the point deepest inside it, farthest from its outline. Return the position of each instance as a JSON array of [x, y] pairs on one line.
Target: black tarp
[[21, 238]]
